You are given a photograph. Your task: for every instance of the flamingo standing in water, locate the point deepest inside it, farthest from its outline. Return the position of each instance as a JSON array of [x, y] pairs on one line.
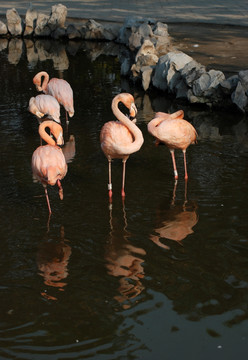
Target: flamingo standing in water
[[175, 133], [58, 88], [42, 105], [48, 161], [121, 138]]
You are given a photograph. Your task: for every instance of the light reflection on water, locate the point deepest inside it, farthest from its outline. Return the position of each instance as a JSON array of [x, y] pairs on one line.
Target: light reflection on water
[[91, 281]]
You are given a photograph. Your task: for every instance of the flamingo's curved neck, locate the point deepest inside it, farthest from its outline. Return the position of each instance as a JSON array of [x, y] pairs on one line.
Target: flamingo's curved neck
[[43, 85], [136, 132], [55, 130]]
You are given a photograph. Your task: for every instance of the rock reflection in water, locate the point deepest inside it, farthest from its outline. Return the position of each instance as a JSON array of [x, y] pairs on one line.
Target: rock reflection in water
[[57, 51], [177, 222], [52, 261], [15, 48], [124, 260]]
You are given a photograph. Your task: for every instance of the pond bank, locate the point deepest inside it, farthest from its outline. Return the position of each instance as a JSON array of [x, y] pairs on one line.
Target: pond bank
[[222, 46]]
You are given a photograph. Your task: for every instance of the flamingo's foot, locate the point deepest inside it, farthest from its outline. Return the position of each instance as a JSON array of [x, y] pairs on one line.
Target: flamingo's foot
[[61, 194], [123, 193]]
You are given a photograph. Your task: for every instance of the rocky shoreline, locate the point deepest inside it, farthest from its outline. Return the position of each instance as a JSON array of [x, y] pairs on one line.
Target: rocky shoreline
[[150, 59]]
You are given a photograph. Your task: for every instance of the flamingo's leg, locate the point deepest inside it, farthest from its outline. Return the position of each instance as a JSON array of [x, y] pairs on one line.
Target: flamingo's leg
[[110, 183], [174, 163], [185, 165], [123, 177], [48, 202]]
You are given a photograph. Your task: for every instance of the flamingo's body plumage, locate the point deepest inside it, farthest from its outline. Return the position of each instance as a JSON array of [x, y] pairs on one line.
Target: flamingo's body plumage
[[42, 105], [48, 162], [174, 132]]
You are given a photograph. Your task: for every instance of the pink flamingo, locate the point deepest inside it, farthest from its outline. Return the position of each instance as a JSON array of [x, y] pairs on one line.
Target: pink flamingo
[[58, 88], [48, 161], [175, 133], [121, 138], [42, 105]]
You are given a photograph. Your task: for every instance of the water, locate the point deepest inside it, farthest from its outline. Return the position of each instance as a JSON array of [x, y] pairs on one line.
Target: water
[[111, 282]]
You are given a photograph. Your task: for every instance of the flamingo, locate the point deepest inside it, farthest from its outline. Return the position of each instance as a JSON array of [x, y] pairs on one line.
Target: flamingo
[[120, 138], [42, 105], [58, 88], [175, 133], [48, 161]]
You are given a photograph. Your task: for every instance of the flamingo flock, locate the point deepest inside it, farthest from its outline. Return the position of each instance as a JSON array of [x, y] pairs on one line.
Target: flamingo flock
[[49, 162], [119, 139]]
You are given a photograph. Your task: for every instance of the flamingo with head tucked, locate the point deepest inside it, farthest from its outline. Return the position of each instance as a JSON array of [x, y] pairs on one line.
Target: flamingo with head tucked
[[42, 105], [48, 162], [58, 88], [121, 138], [175, 133]]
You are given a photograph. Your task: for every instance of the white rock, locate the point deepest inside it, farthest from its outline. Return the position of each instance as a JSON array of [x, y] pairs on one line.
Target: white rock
[[30, 19], [58, 17], [14, 22], [42, 28], [3, 28]]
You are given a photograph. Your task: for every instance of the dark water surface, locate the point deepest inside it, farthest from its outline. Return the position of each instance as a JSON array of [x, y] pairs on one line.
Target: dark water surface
[[163, 275]]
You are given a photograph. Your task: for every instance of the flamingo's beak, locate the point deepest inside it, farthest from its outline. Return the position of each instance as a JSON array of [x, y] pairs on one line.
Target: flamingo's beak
[[133, 110], [60, 139]]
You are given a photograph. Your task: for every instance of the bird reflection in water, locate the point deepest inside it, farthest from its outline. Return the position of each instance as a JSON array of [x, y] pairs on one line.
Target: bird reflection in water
[[177, 221], [52, 260], [124, 260]]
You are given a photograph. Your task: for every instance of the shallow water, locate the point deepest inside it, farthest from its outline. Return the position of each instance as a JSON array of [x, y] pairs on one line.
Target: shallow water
[[111, 282]]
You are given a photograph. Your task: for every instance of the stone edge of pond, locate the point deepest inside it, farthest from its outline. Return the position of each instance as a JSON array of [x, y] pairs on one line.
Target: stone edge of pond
[[151, 59]]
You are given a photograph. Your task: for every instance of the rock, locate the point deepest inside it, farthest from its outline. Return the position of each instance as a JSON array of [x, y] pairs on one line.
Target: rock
[[111, 31], [14, 22], [145, 31], [243, 76], [73, 33], [163, 45], [181, 89], [59, 33], [30, 21], [239, 97], [161, 29], [92, 30], [130, 25], [134, 41], [143, 60], [167, 71], [192, 71], [42, 28], [207, 83], [146, 48], [228, 86], [159, 78], [3, 29], [57, 17]]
